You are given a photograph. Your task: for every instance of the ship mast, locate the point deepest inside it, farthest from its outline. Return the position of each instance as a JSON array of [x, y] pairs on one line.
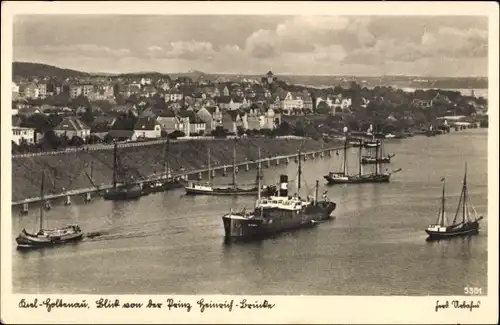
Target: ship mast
[[234, 167], [376, 157], [345, 158], [299, 175], [465, 194], [42, 201], [259, 185], [209, 169], [360, 157], [316, 192], [115, 163], [443, 203], [165, 160]]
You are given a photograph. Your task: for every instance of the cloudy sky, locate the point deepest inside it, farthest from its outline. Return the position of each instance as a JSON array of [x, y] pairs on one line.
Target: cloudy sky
[[328, 45]]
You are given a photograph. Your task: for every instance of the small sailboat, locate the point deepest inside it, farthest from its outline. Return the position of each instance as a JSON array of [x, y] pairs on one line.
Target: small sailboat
[[467, 225], [232, 189], [121, 191], [382, 159], [166, 182], [48, 237]]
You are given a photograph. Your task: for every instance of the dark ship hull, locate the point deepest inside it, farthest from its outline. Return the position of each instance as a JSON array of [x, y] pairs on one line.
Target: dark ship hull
[[123, 193], [26, 240], [464, 229], [162, 186], [229, 191], [271, 221], [357, 179]]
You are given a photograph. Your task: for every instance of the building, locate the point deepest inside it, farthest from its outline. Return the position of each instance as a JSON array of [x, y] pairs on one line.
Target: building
[[42, 90], [19, 133], [15, 88], [72, 126], [292, 103], [29, 90], [174, 94], [147, 127]]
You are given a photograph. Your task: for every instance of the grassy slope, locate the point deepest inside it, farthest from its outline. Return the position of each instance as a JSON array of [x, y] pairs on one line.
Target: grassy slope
[[67, 170]]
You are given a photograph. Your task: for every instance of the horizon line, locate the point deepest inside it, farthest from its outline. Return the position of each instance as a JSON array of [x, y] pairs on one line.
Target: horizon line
[[248, 74]]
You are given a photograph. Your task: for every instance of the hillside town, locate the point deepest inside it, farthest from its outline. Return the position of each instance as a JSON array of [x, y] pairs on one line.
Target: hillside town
[[50, 113]]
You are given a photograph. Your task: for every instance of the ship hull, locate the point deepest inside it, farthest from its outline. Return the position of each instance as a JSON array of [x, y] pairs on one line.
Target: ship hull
[[165, 186], [123, 194], [275, 221], [385, 160], [228, 191], [467, 229], [380, 178], [32, 241]]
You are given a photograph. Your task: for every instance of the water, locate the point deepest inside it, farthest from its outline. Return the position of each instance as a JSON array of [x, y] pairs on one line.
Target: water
[[171, 243]]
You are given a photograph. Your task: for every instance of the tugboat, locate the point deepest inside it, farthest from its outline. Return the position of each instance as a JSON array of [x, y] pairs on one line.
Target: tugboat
[[125, 191], [382, 159], [232, 189], [464, 227], [48, 237], [344, 178], [166, 182], [277, 213]]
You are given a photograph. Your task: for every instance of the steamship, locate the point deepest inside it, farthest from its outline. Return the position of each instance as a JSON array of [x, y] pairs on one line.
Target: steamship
[[278, 213]]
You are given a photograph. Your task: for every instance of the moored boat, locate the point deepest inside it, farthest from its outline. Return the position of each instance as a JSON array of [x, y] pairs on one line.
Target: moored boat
[[378, 159], [127, 190], [278, 213], [468, 225], [48, 237], [233, 189]]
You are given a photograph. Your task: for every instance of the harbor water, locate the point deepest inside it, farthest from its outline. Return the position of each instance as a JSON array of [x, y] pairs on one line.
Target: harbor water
[[170, 243]]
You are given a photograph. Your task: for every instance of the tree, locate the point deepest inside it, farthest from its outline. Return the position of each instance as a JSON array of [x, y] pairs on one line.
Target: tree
[[51, 140], [76, 141], [92, 139], [87, 116]]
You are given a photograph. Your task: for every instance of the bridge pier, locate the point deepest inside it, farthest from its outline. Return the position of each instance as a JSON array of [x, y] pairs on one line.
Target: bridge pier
[[25, 210], [247, 167], [321, 154], [68, 200], [88, 197], [224, 171], [236, 169], [213, 173], [268, 163], [287, 161], [329, 153], [277, 162], [200, 176]]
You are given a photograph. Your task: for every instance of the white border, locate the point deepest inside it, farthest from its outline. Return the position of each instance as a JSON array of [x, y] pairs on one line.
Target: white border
[[289, 309]]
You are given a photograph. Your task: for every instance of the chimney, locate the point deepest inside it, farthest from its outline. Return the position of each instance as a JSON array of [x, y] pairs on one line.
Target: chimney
[[283, 185]]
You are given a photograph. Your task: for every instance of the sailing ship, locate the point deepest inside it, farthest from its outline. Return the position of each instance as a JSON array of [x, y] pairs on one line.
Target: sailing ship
[[121, 191], [382, 159], [48, 237], [467, 225], [372, 144], [231, 189], [344, 177], [166, 182], [277, 213]]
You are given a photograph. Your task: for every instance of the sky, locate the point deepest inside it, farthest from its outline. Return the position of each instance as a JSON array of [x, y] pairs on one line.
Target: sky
[[436, 46]]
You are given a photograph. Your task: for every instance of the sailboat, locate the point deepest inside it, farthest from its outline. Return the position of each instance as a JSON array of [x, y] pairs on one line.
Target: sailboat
[[121, 191], [48, 237], [166, 182], [278, 213], [467, 225], [382, 159], [231, 189], [344, 178]]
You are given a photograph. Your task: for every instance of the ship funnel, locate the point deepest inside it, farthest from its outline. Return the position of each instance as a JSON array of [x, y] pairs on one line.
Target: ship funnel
[[283, 185]]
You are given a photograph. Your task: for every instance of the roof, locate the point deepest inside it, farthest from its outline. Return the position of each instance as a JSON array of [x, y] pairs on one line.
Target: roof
[[224, 99], [71, 124], [146, 123]]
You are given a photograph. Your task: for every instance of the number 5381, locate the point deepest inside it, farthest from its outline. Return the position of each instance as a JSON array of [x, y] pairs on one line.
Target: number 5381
[[472, 291]]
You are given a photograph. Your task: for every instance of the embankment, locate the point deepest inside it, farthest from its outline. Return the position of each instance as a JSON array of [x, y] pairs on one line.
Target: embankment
[[68, 171]]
